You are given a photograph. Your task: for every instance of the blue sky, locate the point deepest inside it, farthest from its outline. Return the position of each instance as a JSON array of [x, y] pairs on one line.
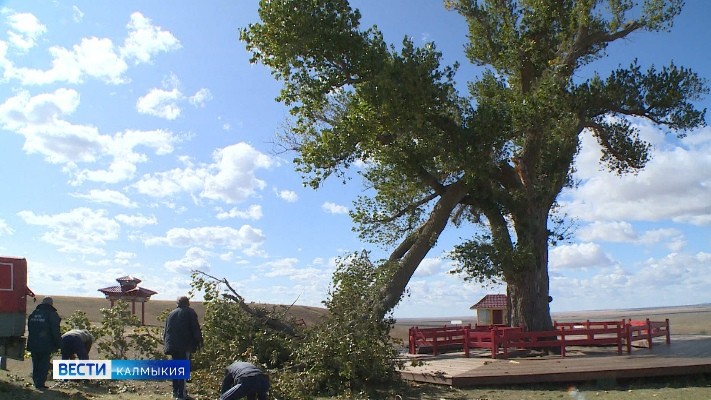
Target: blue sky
[[137, 139]]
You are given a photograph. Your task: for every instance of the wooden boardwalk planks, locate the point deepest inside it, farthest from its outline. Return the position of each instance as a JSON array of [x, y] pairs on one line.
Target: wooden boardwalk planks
[[687, 354]]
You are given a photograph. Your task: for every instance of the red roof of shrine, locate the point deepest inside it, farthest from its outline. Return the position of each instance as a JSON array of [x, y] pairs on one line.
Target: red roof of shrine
[[138, 291], [128, 278], [491, 301], [127, 290]]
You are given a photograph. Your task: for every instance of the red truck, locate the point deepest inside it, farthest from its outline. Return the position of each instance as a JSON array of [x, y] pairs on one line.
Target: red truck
[[13, 307]]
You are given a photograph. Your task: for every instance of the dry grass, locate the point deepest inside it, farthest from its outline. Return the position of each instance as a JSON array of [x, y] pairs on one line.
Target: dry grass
[[92, 306]]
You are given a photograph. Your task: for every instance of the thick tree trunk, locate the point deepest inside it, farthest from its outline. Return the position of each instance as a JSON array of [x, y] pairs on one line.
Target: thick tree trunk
[[528, 300], [528, 285]]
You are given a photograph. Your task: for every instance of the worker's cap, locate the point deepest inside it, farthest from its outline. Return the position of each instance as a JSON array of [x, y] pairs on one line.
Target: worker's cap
[[48, 300]]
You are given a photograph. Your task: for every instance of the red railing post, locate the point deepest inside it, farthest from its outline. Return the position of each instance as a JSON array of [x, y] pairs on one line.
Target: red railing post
[[411, 339], [628, 328], [668, 331], [562, 348], [494, 342], [466, 341], [620, 332], [649, 333]]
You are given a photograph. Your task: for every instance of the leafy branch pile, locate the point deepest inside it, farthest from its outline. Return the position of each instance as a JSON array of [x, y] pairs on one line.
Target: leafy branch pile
[[120, 335], [349, 353]]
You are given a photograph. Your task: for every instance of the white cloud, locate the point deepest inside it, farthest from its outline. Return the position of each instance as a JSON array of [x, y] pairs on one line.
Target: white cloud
[[5, 228], [254, 212], [289, 268], [281, 267], [675, 185], [124, 255], [107, 196], [429, 295], [47, 276], [231, 178], [200, 97], [77, 14], [160, 103], [579, 255], [195, 259], [93, 57], [624, 232], [137, 220], [165, 104], [675, 279], [246, 238], [430, 267], [81, 230], [40, 120], [145, 40], [169, 183], [288, 195], [234, 180], [673, 238], [333, 208], [612, 231], [24, 31]]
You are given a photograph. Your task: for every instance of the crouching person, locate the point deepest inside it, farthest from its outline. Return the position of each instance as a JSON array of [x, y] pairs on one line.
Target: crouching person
[[76, 343], [244, 380]]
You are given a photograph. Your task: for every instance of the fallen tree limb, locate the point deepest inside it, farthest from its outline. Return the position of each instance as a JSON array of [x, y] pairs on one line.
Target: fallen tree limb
[[259, 314]]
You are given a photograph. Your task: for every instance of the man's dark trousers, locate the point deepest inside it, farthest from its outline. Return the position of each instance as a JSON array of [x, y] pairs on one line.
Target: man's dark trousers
[[40, 368], [179, 384]]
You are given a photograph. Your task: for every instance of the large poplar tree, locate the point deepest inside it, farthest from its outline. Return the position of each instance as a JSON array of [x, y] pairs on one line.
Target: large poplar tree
[[497, 156]]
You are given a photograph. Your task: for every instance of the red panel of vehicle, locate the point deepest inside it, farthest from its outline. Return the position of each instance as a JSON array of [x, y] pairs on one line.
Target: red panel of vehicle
[[13, 285]]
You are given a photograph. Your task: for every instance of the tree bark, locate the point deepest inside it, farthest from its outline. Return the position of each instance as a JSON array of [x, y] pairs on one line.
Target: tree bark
[[528, 285], [415, 246]]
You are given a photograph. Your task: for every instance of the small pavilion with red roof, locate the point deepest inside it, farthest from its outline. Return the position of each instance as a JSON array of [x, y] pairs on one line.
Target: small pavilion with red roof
[[490, 310], [129, 291]]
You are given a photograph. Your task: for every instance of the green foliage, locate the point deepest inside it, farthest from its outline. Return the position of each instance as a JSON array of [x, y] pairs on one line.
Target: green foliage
[[114, 324], [79, 320], [229, 334], [123, 337], [146, 342], [351, 352], [511, 142], [348, 353]]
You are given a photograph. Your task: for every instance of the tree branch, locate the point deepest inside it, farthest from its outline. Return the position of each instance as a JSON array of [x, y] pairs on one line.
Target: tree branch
[[258, 314], [585, 41]]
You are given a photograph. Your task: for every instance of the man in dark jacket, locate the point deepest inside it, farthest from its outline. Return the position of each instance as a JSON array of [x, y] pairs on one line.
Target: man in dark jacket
[[43, 339], [77, 343], [181, 337], [243, 379]]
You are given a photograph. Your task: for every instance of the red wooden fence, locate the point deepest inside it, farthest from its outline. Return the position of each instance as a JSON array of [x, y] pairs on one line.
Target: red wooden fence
[[647, 330], [566, 334]]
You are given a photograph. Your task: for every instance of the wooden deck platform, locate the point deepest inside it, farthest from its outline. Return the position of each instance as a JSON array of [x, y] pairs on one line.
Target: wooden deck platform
[[687, 354]]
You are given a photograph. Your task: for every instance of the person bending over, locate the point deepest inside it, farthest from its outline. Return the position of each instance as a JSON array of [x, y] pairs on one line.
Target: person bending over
[[243, 379], [76, 343]]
